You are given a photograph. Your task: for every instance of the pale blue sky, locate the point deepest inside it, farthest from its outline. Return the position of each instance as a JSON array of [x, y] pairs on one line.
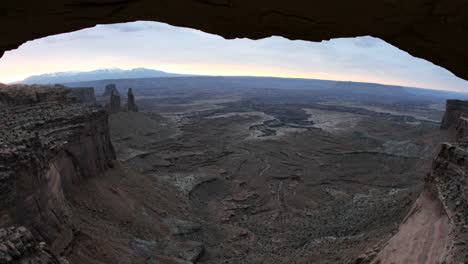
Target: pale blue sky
[[181, 50]]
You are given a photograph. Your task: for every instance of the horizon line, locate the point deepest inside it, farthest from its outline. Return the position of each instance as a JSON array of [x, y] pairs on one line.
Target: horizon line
[[191, 75]]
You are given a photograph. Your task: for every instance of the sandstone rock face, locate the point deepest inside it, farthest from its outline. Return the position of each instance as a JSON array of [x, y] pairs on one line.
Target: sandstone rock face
[[110, 88], [114, 104], [454, 110], [18, 245], [462, 130], [112, 98], [433, 30], [449, 178], [84, 94], [131, 106], [12, 95], [46, 149], [436, 228]]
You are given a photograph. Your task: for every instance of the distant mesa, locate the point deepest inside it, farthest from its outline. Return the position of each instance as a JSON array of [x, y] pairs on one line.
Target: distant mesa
[[20, 94]]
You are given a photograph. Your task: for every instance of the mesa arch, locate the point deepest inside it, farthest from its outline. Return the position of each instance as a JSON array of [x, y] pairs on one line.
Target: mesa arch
[[436, 30]]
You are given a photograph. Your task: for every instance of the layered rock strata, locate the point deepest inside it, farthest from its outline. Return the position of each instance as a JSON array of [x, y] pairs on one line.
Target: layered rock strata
[[436, 228], [45, 150], [454, 109], [18, 245], [14, 95]]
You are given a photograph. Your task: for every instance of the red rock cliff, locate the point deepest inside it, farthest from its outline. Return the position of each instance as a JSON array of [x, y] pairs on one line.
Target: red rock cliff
[[436, 228], [46, 150]]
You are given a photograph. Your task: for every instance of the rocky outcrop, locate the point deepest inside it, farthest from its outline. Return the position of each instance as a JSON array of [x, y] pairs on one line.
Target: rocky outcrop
[[450, 180], [433, 30], [436, 228], [111, 97], [110, 88], [114, 103], [13, 95], [84, 94], [454, 109], [47, 149], [462, 130], [131, 106], [18, 245]]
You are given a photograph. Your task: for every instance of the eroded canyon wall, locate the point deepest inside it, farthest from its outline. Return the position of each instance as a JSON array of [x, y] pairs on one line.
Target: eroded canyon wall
[[436, 229], [20, 94], [454, 109], [47, 149]]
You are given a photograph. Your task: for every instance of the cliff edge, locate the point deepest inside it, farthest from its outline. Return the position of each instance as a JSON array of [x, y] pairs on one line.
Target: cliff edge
[[48, 147], [435, 229]]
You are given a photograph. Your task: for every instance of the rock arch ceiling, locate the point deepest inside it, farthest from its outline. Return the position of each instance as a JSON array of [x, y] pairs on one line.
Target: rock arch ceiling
[[436, 30]]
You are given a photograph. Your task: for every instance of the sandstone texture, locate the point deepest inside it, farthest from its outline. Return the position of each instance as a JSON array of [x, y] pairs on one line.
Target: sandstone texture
[[18, 245], [46, 149], [65, 199], [454, 110], [13, 95], [436, 228], [433, 30]]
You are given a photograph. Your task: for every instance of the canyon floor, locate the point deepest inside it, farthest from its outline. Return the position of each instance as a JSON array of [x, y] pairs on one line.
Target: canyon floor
[[232, 175], [263, 179]]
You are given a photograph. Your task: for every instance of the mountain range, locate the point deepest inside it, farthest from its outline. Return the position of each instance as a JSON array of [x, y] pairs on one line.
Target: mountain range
[[144, 78], [101, 74]]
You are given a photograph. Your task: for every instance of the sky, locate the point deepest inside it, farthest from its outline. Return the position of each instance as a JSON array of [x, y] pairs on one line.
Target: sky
[[181, 50]]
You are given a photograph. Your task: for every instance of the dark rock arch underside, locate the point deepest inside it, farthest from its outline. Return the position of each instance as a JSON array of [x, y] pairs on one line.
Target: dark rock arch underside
[[436, 30]]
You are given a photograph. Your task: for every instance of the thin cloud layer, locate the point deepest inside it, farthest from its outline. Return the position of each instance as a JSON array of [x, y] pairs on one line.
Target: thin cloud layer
[[181, 50]]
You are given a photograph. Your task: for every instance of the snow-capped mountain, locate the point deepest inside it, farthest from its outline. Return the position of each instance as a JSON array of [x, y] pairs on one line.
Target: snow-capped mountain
[[101, 74]]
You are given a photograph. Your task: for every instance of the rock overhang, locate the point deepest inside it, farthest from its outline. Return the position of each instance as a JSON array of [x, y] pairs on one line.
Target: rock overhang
[[431, 29]]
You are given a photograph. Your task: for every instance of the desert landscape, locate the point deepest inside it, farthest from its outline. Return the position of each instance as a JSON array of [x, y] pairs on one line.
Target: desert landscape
[[149, 132], [270, 177], [205, 170]]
